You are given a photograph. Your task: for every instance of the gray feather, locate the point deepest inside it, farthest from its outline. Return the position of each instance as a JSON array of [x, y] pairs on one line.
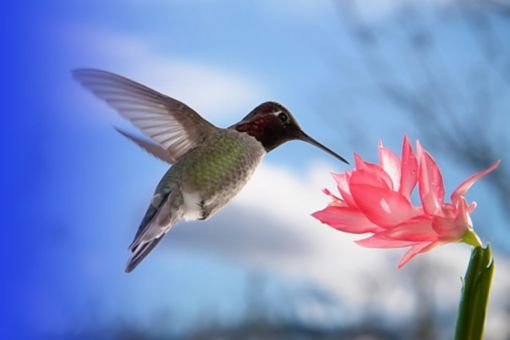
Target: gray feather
[[152, 148], [164, 211]]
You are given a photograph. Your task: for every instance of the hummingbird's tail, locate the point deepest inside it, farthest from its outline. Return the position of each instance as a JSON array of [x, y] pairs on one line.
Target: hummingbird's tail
[[140, 253], [164, 211]]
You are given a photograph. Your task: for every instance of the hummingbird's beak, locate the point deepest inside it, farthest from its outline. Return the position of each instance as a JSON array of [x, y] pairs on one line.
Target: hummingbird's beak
[[305, 138]]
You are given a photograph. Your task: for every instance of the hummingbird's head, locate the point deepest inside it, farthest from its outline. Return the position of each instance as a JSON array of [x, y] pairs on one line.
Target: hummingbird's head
[[272, 125]]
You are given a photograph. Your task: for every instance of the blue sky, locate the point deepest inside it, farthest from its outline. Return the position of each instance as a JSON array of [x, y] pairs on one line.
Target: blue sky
[[75, 190]]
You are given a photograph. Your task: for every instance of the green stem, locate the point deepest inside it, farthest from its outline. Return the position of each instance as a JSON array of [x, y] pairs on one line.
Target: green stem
[[475, 295]]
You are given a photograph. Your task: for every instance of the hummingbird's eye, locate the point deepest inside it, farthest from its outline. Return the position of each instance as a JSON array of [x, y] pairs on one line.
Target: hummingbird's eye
[[283, 117]]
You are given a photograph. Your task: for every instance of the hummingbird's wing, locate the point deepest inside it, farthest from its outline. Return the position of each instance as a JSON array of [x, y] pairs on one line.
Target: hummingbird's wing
[[154, 149], [176, 127]]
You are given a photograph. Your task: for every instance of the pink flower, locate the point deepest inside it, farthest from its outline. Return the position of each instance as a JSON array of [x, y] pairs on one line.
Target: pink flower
[[376, 199]]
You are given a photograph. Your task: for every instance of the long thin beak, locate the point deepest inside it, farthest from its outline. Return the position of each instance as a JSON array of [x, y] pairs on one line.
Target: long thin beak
[[305, 138]]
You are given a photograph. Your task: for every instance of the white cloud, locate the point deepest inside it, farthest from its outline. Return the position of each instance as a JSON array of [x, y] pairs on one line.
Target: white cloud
[[275, 207]]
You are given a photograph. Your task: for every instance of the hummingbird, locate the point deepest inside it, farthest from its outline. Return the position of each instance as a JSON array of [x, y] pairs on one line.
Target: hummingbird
[[210, 165]]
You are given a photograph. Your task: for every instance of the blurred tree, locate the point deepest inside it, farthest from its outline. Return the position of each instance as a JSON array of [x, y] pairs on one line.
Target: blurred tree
[[461, 111]]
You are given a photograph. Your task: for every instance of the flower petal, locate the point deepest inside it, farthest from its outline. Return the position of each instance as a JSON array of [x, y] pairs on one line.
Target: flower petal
[[374, 170], [448, 229], [390, 163], [342, 181], [464, 187], [409, 169], [418, 229], [430, 181], [345, 219], [383, 207], [463, 220], [377, 241], [415, 250], [368, 177]]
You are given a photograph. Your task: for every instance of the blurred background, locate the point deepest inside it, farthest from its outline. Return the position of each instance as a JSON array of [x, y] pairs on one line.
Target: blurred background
[[352, 72]]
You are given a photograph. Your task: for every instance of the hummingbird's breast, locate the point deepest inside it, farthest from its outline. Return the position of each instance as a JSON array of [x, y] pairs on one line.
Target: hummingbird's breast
[[211, 174]]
